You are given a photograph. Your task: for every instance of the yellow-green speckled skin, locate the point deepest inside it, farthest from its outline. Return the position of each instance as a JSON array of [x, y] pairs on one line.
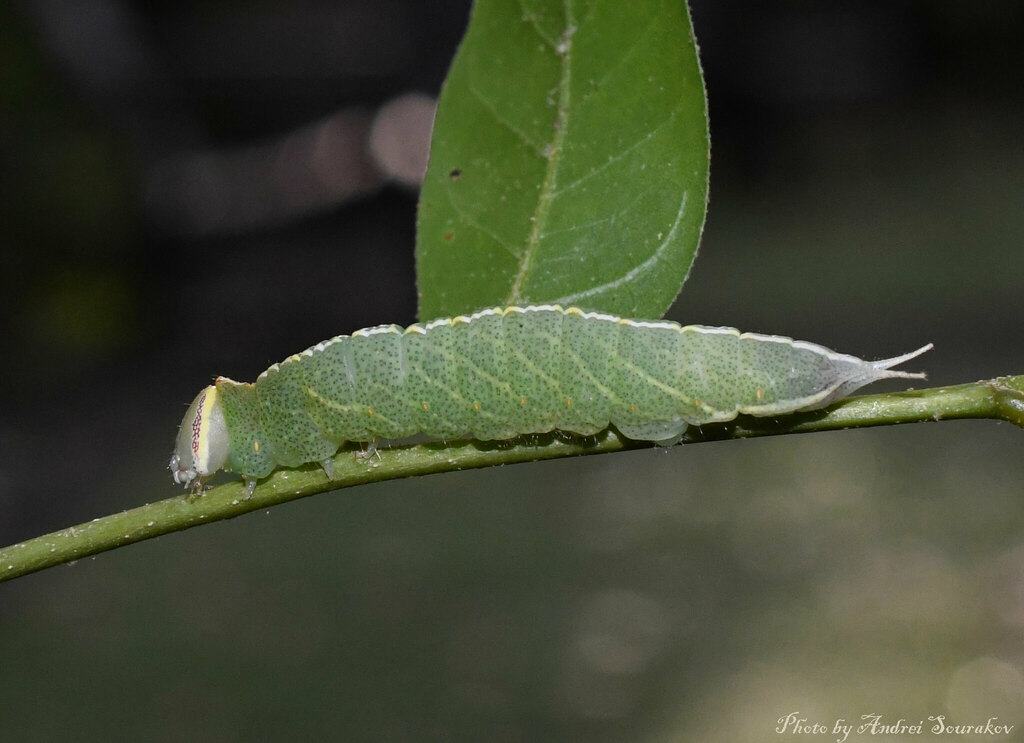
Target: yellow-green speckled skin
[[504, 372]]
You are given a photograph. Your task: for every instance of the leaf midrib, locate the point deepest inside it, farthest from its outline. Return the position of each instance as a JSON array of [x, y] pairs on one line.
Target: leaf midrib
[[547, 189]]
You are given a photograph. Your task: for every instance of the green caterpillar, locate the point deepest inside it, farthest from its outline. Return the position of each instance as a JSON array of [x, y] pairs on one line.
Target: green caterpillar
[[503, 372]]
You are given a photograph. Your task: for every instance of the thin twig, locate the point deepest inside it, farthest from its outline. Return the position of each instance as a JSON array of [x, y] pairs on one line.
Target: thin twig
[[1001, 399]]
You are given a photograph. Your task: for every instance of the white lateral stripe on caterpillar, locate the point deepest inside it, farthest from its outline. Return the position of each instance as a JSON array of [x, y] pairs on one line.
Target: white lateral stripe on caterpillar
[[489, 312]]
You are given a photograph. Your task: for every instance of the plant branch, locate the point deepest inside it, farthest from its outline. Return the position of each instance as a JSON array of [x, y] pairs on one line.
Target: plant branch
[[1001, 398]]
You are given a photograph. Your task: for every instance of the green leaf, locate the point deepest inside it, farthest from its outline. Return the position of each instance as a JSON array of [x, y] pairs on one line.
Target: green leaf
[[569, 160]]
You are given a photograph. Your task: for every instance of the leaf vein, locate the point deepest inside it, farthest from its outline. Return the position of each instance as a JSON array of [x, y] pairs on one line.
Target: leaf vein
[[642, 268], [530, 17], [554, 153], [471, 222], [622, 153], [638, 42], [610, 219], [523, 137]]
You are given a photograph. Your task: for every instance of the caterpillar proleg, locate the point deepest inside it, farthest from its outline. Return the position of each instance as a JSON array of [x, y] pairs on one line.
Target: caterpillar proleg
[[503, 372]]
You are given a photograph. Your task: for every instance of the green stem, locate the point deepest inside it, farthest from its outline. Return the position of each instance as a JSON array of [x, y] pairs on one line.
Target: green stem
[[1001, 398]]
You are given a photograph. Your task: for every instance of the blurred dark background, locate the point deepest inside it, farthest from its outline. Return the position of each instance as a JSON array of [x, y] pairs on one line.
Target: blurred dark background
[[194, 189]]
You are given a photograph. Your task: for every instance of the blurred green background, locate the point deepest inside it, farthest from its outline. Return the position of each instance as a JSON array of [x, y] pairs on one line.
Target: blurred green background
[[204, 188]]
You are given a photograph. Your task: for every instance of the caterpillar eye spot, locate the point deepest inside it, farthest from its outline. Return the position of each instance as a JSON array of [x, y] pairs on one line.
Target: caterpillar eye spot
[[454, 174]]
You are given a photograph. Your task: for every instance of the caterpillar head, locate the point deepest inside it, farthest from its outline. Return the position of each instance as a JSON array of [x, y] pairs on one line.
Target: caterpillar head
[[202, 446]]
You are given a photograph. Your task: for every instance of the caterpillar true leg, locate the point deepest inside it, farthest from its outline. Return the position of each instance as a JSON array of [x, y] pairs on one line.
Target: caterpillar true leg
[[365, 455]]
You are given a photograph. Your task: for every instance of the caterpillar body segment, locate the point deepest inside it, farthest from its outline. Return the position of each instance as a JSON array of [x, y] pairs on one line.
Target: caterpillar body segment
[[504, 372]]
